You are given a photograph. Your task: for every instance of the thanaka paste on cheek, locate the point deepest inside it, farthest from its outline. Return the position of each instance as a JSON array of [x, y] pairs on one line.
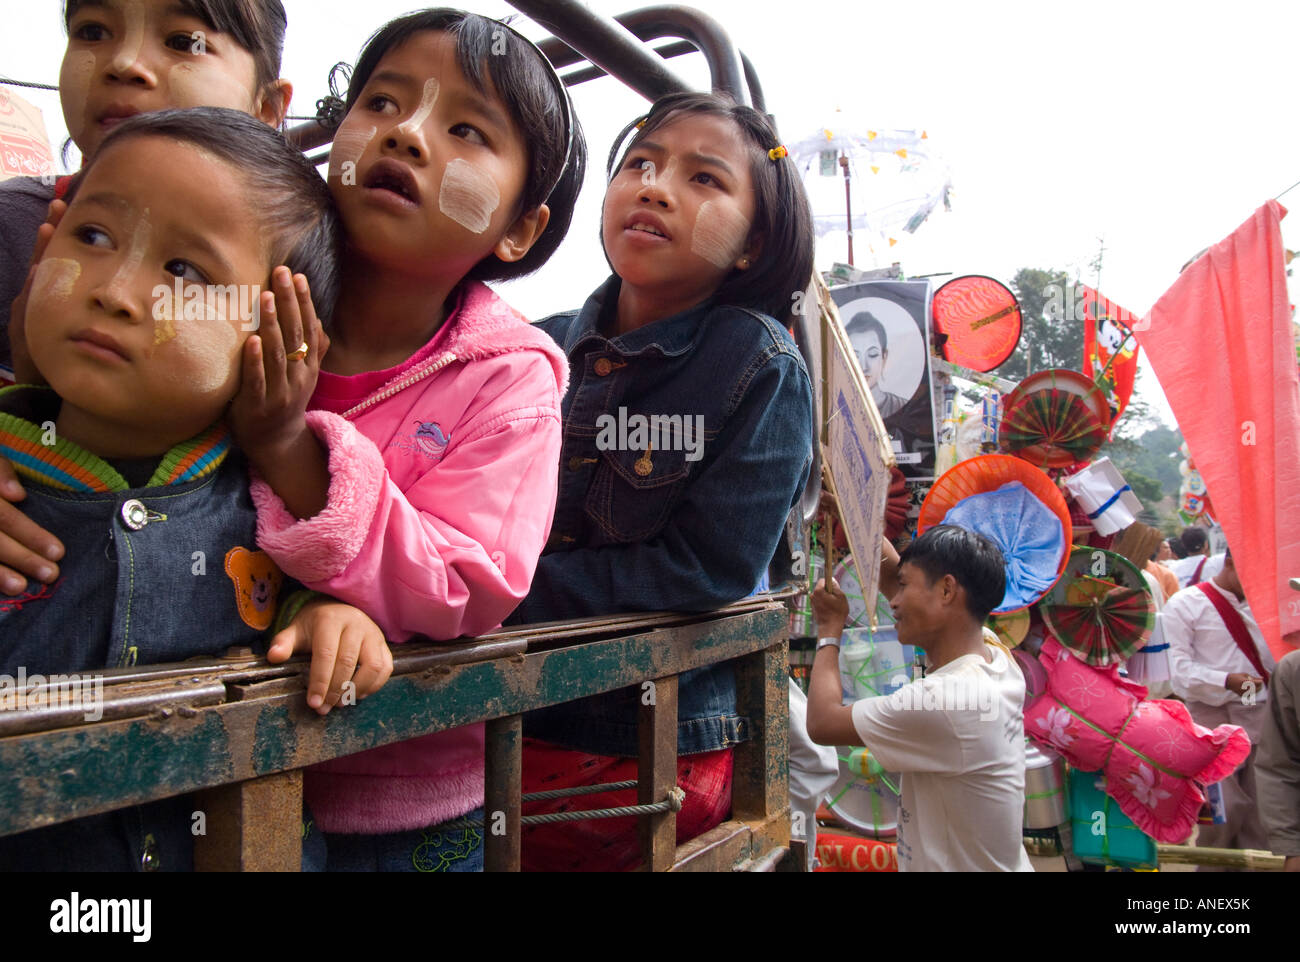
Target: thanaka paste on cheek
[[55, 278], [720, 234], [74, 91], [468, 196], [188, 86], [187, 302], [347, 148], [205, 351], [427, 100], [132, 39]]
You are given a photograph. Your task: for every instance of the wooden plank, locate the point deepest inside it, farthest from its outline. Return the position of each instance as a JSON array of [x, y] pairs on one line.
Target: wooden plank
[[58, 775], [502, 794], [657, 772], [732, 843], [760, 782], [252, 826]]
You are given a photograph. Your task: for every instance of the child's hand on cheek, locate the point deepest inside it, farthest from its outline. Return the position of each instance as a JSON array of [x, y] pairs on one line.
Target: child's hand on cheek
[[347, 648], [267, 415]]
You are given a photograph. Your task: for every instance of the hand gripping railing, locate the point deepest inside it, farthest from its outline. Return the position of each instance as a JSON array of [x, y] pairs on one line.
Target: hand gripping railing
[[236, 732]]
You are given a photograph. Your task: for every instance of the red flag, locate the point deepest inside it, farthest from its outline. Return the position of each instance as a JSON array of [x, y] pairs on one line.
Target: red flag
[[1109, 350], [1220, 342]]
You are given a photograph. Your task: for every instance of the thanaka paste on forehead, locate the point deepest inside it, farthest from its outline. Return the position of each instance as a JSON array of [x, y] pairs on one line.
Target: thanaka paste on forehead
[[74, 89], [468, 195], [427, 100], [55, 278], [720, 234], [348, 148], [128, 53]]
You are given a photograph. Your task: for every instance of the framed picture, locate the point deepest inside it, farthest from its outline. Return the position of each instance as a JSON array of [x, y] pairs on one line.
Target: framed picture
[[887, 323]]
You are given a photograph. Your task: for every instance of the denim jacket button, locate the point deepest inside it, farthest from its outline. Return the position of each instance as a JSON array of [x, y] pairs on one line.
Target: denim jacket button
[[575, 463], [135, 515], [604, 366], [149, 860]]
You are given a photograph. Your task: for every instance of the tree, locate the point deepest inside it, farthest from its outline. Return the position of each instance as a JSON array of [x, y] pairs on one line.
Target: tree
[[1052, 328]]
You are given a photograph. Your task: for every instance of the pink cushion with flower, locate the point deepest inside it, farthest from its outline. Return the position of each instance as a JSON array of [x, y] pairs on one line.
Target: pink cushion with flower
[[1154, 756]]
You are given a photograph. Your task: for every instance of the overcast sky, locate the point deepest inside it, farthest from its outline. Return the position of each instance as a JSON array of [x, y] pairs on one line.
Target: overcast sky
[[1158, 126]]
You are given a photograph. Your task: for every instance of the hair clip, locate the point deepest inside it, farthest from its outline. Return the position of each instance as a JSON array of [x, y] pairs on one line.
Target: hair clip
[[776, 153]]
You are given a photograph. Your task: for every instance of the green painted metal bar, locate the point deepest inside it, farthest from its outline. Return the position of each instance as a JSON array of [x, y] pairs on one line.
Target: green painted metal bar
[[53, 776]]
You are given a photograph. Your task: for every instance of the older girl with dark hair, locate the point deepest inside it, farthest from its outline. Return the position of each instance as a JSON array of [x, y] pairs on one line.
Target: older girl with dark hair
[[709, 235]]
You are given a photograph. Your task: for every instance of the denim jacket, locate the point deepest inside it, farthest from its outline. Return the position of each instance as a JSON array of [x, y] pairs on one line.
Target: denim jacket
[[152, 574], [686, 444]]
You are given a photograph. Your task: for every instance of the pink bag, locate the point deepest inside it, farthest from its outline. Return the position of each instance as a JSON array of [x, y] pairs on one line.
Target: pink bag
[[1151, 751]]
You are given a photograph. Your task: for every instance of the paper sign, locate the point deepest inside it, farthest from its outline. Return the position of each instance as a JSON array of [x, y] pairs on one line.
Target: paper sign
[[24, 145], [856, 450]]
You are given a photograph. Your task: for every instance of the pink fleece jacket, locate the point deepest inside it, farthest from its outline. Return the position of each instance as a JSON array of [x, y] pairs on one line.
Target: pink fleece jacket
[[442, 492]]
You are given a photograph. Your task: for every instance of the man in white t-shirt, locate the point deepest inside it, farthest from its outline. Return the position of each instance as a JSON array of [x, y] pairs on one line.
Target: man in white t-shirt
[[956, 735]]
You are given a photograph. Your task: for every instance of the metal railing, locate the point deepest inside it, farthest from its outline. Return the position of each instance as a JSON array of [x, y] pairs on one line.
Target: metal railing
[[237, 732]]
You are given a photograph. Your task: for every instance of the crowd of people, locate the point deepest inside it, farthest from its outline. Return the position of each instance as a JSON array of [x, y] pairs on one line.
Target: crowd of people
[[391, 451]]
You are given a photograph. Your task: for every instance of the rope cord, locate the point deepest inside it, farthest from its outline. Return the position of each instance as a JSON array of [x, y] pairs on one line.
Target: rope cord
[[673, 803], [580, 790], [23, 83]]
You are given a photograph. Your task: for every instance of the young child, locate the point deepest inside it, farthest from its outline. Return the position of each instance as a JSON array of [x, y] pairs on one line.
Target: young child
[[422, 485], [709, 234], [957, 734], [137, 317], [131, 56]]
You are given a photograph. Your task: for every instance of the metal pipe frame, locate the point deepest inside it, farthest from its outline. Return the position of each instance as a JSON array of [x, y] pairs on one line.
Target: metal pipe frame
[[601, 41], [579, 35]]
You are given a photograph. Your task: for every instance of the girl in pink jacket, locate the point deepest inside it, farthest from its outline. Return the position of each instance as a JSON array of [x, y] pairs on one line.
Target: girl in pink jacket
[[420, 484]]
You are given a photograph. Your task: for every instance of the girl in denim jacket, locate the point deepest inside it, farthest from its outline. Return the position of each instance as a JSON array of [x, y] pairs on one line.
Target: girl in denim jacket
[[688, 433]]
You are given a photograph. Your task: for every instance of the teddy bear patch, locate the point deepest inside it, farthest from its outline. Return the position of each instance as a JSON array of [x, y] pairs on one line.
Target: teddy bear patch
[[257, 585]]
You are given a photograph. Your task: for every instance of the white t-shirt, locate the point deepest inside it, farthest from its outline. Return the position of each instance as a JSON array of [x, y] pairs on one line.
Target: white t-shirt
[[958, 738]]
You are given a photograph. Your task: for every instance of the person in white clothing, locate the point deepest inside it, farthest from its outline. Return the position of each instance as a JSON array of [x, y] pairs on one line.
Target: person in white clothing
[[957, 734], [1199, 565], [1220, 666], [814, 770]]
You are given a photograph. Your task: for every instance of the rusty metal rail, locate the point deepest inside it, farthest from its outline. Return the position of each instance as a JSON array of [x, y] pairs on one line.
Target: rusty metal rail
[[238, 732]]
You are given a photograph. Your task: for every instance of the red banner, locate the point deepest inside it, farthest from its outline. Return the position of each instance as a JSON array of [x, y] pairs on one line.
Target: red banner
[[1109, 350], [1221, 343]]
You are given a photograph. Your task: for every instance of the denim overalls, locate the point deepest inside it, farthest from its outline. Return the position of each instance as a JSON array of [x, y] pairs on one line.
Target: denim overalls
[[684, 520], [151, 574]]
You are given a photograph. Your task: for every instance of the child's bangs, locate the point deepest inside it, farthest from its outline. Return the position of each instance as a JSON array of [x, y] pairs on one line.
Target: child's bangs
[[256, 25]]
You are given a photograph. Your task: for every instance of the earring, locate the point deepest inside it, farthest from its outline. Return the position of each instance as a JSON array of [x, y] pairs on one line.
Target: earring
[[744, 263]]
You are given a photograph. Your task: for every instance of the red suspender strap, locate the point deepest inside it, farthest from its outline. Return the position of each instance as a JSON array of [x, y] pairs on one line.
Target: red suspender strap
[[1196, 575], [1236, 627]]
